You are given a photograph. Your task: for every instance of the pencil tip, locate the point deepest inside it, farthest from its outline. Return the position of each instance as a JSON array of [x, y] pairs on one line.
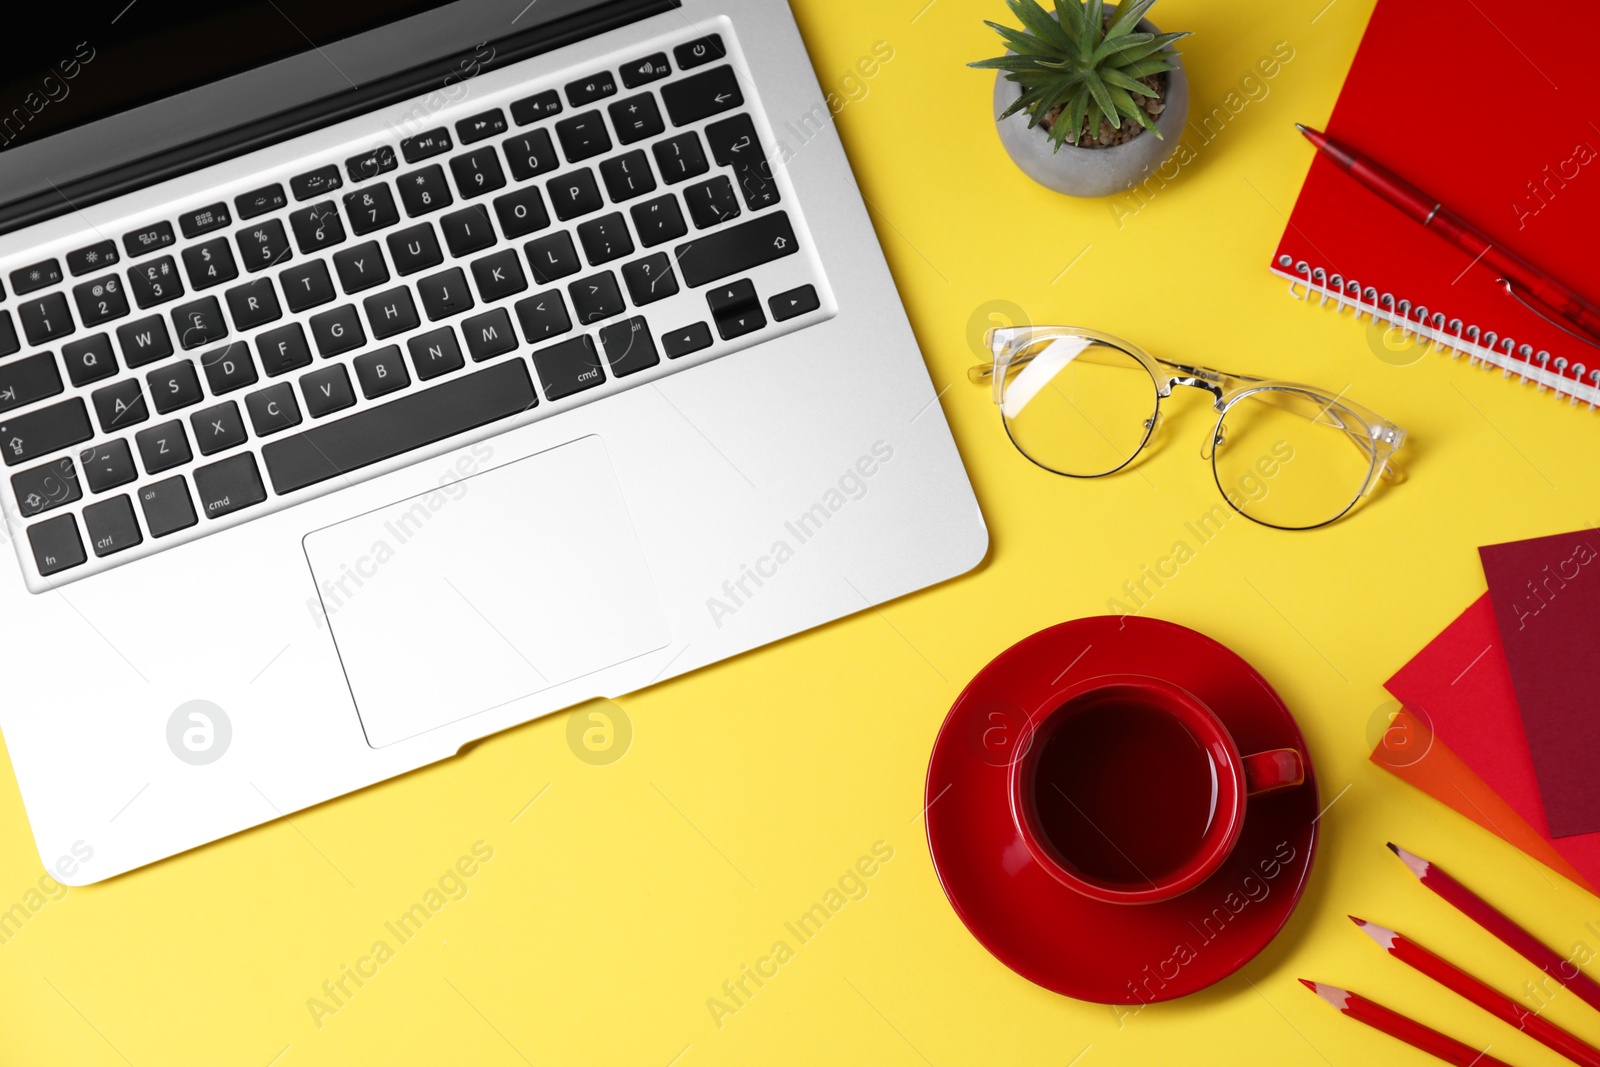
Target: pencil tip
[[1416, 863], [1393, 847], [1358, 922], [1309, 984]]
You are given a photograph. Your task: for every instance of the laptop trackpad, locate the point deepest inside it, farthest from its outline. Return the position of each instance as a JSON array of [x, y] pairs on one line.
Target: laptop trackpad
[[489, 589]]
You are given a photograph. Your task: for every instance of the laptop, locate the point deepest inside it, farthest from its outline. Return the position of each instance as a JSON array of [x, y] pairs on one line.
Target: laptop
[[374, 378]]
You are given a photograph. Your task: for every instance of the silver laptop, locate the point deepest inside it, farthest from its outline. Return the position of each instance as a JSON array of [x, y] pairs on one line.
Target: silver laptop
[[377, 377]]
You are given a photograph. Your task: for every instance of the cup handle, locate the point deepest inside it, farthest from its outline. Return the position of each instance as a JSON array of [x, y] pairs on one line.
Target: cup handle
[[1268, 772]]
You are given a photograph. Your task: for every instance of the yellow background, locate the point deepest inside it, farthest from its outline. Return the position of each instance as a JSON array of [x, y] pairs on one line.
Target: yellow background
[[620, 901]]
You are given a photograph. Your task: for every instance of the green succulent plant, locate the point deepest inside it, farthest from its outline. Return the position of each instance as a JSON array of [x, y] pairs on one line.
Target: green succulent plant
[[1082, 64]]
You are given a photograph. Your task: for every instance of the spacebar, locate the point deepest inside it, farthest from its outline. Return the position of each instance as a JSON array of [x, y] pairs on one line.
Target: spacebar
[[353, 442]]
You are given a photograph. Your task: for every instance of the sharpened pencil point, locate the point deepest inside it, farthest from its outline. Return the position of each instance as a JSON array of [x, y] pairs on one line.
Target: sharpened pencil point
[[1358, 922], [1393, 847], [1417, 864], [1309, 984]]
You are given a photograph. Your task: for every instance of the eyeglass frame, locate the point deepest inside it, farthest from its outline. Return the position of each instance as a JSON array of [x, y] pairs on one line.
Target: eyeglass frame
[[1379, 438]]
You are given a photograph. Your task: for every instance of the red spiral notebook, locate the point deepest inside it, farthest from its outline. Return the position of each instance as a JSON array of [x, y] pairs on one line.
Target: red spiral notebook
[[1487, 107]]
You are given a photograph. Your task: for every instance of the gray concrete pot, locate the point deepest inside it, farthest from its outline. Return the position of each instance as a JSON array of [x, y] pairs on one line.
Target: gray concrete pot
[[1091, 171]]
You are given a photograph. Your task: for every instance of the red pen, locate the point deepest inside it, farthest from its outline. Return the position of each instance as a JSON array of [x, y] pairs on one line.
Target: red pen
[[1521, 279]]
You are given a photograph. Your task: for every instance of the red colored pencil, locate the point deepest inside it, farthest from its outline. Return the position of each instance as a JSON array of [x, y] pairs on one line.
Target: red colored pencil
[[1398, 1026], [1479, 911], [1495, 1003]]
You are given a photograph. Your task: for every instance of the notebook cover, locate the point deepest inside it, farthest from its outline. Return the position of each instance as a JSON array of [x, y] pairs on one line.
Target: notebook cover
[[1512, 151], [1461, 685], [1546, 596]]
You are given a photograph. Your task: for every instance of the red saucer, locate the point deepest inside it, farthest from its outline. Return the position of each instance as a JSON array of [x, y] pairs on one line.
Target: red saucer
[[1059, 939]]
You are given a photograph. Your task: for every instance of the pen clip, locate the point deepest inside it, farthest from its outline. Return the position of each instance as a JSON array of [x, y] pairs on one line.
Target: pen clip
[[1512, 292]]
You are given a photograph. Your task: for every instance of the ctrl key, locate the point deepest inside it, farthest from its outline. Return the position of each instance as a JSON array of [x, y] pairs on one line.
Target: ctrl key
[[56, 545], [111, 525], [227, 486]]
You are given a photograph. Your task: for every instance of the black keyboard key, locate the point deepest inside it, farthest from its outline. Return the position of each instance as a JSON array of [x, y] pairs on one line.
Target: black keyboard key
[[628, 346], [392, 311], [650, 279], [155, 282], [371, 208], [382, 372], [144, 341], [263, 245], [111, 525], [468, 230], [120, 405], [307, 285], [89, 359], [636, 118], [521, 212], [477, 172], [327, 390], [155, 236], [199, 322], [108, 466], [484, 124], [553, 256], [163, 446], [739, 322], [283, 350], [218, 427], [642, 71], [569, 367], [273, 409], [46, 318], [419, 418], [98, 256], [319, 182], [628, 176], [425, 190], [583, 136], [204, 220], [594, 87], [489, 335], [23, 381], [596, 297], [680, 158], [414, 249], [736, 249], [794, 302], [260, 201], [435, 353], [210, 263], [734, 144], [575, 194], [174, 386], [531, 109], [445, 294], [360, 267], [543, 316], [692, 99], [44, 430], [699, 52], [337, 330], [605, 238], [229, 485], [9, 342], [734, 296], [46, 487], [499, 275], [37, 276], [380, 160], [426, 144], [255, 303], [531, 155], [56, 545], [167, 507], [712, 202], [689, 339], [658, 221], [317, 227], [229, 367]]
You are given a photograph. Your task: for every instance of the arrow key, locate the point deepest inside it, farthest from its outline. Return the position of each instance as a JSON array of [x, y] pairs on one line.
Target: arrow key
[[794, 303]]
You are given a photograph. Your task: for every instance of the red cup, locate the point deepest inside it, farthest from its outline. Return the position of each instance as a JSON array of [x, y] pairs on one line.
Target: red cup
[[1234, 779]]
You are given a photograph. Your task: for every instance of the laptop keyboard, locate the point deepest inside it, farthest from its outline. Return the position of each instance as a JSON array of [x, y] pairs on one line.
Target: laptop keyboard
[[237, 356]]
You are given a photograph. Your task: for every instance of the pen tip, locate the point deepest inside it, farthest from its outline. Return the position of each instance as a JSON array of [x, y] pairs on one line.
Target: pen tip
[[1300, 126]]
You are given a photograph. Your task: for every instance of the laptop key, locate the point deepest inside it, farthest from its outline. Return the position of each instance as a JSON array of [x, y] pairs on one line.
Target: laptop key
[[229, 485], [605, 238], [23, 381], [414, 249], [317, 227], [499, 275], [163, 447], [97, 256], [680, 158], [371, 208], [477, 172], [734, 143], [337, 330], [229, 367], [100, 300], [144, 341], [701, 96], [283, 350], [712, 202], [489, 335], [260, 201], [596, 297], [273, 409], [44, 430], [636, 118], [794, 302], [210, 263], [594, 87], [391, 312], [689, 339], [263, 245], [37, 276], [736, 249], [475, 128], [306, 285], [700, 51], [120, 405], [553, 256], [425, 145], [204, 220], [108, 465], [166, 506], [199, 322], [658, 221], [173, 387], [642, 71], [327, 390], [360, 267], [435, 353], [412, 421], [140, 242], [255, 303], [45, 487], [8, 335], [111, 525], [218, 427], [467, 231], [650, 279], [45, 319], [446, 293], [55, 545], [521, 212], [569, 367], [531, 109], [382, 372], [89, 359], [583, 136], [628, 176], [154, 282], [317, 182], [543, 316], [575, 194], [425, 190], [531, 155], [380, 160], [628, 346]]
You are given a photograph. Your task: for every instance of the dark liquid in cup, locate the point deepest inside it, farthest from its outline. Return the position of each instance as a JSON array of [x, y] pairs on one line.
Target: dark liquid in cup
[[1125, 793]]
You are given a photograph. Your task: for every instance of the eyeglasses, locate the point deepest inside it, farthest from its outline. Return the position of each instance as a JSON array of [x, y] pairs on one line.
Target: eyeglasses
[[1085, 404]]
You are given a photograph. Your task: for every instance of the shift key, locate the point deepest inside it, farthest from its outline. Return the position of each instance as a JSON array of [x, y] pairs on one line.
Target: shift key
[[733, 250], [43, 431]]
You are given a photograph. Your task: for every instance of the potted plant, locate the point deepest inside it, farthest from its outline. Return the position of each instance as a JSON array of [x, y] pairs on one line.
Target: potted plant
[[1089, 97]]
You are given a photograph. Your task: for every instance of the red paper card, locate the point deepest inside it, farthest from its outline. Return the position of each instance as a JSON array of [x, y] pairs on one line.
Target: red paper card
[[1546, 595]]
